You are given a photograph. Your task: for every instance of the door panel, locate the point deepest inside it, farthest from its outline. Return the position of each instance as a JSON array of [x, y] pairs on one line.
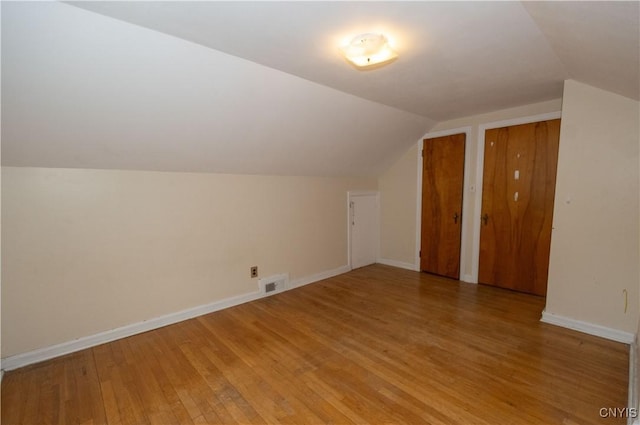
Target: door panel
[[364, 230], [442, 186], [518, 191]]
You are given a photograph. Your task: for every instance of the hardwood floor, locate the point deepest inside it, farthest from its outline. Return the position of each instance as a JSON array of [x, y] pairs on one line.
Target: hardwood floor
[[378, 345]]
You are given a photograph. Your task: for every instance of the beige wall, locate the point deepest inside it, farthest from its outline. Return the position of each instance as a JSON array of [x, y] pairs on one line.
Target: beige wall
[[398, 202], [594, 246], [86, 251], [398, 187]]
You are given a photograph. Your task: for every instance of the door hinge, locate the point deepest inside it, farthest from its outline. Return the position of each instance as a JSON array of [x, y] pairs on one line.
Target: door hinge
[[420, 254]]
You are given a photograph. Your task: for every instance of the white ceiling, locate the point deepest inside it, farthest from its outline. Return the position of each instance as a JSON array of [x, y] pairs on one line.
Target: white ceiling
[[456, 58], [260, 87]]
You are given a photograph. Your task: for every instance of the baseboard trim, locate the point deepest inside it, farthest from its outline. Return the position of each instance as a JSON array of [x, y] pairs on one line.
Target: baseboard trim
[[467, 278], [399, 264], [588, 328], [46, 353], [296, 283]]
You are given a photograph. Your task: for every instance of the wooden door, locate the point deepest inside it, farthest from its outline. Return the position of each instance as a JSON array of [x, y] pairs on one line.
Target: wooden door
[[364, 229], [518, 190], [442, 185]]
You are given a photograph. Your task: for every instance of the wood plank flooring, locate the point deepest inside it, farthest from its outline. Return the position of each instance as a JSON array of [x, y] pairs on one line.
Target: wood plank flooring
[[378, 345]]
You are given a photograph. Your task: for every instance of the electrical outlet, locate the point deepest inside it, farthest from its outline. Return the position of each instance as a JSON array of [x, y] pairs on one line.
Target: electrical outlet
[[254, 271]]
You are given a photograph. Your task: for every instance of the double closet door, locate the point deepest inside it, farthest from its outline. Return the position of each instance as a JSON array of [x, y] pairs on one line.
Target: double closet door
[[518, 191]]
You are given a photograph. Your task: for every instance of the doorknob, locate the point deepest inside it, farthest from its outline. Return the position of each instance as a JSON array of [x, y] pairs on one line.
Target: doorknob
[[455, 218], [485, 218]]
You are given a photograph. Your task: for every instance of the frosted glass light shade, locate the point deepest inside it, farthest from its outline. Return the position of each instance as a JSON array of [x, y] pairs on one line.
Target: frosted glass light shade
[[369, 49]]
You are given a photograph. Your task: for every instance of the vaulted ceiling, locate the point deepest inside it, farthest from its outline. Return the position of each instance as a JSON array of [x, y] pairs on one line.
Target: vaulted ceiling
[[260, 87]]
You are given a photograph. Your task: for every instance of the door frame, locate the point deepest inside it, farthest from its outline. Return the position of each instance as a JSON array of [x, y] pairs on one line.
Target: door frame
[[482, 128], [465, 185], [350, 195]]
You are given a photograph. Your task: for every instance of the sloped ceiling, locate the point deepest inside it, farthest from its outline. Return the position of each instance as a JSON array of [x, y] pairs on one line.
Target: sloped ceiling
[[598, 43], [259, 87]]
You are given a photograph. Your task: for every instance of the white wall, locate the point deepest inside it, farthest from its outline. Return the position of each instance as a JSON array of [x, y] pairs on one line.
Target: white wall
[[594, 245], [398, 203], [82, 90], [398, 188], [85, 251]]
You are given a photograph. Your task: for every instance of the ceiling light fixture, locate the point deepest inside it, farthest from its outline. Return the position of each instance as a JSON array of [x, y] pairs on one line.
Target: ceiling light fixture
[[366, 50]]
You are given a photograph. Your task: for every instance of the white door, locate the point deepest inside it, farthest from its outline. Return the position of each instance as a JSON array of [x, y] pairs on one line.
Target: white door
[[363, 225]]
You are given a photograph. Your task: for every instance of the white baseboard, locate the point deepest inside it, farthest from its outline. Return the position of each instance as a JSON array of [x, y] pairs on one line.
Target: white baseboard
[[35, 356], [41, 354], [467, 278], [296, 283], [588, 328], [399, 264]]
